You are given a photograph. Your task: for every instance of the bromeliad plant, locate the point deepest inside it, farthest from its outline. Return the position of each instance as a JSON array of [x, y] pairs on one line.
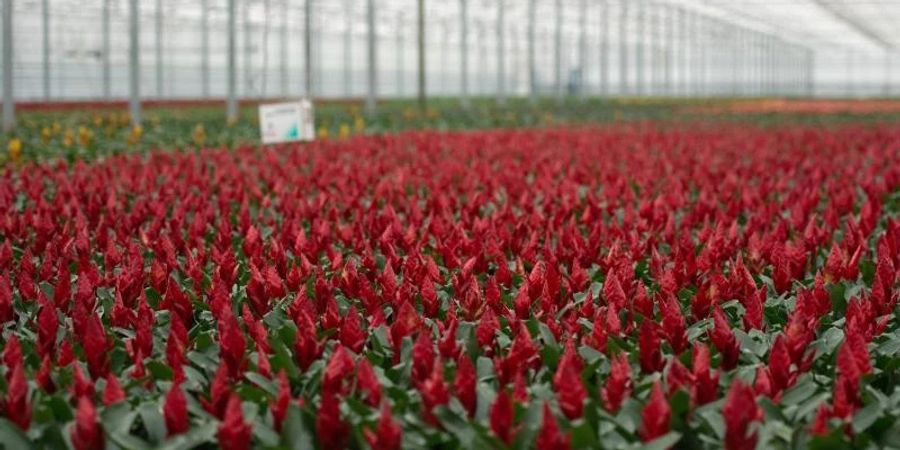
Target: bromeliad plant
[[609, 287]]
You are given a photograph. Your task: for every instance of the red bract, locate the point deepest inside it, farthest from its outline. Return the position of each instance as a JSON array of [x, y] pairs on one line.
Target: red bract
[[16, 405], [502, 417], [281, 403], [330, 427], [648, 347], [618, 385], [739, 411], [464, 385], [550, 437], [387, 434], [112, 392], [233, 432], [656, 415], [87, 434], [723, 338], [568, 384], [175, 411]]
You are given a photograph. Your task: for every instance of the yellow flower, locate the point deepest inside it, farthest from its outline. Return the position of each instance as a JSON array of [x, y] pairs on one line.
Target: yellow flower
[[68, 138], [56, 127], [15, 149], [431, 113], [409, 113], [344, 131], [85, 136], [359, 125], [98, 120], [323, 133], [46, 134], [136, 133], [199, 135]]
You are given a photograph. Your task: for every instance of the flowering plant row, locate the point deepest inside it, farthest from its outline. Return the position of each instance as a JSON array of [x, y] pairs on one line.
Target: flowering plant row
[[618, 287]]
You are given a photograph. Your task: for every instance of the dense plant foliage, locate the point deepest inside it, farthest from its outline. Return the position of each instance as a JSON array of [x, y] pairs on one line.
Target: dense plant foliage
[[698, 287]]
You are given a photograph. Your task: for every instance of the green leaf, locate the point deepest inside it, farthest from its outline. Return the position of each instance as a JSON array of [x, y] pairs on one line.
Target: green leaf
[[866, 416], [12, 438], [127, 441], [663, 442], [192, 438], [799, 392], [118, 417], [293, 432], [263, 382], [153, 421]]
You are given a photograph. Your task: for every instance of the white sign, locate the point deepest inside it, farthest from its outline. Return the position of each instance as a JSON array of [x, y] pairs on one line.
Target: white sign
[[286, 122]]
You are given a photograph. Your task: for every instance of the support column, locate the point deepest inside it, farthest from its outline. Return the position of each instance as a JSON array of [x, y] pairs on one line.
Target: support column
[[639, 49], [372, 43], [557, 53], [401, 51], [283, 52], [9, 108], [107, 80], [348, 44], [420, 22], [204, 49], [623, 48], [231, 102], [45, 28], [307, 48], [582, 47], [159, 49], [604, 49], [464, 52], [532, 68], [134, 72], [501, 53]]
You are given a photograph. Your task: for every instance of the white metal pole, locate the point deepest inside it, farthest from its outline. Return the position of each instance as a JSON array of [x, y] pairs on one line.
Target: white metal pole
[[582, 47], [159, 49], [283, 51], [134, 62], [9, 109], [45, 25], [464, 51], [501, 53], [886, 89], [107, 80], [231, 102], [604, 49], [307, 48], [420, 52], [400, 53], [348, 44], [668, 49], [623, 48], [532, 68], [557, 52], [639, 50], [204, 49], [372, 43]]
